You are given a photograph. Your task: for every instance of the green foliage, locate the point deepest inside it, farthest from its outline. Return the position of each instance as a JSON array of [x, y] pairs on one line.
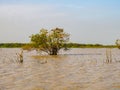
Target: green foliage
[[77, 45], [118, 43], [11, 45], [50, 41], [30, 46]]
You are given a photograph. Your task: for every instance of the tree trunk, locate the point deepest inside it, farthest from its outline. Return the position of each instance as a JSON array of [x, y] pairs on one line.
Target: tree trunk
[[54, 51]]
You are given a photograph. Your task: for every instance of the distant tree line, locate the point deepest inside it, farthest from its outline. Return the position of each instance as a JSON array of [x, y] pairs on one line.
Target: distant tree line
[[12, 45], [78, 45], [69, 45]]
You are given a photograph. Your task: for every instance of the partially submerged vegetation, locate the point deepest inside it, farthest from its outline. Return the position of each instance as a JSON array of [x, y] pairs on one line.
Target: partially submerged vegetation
[[51, 41], [118, 43]]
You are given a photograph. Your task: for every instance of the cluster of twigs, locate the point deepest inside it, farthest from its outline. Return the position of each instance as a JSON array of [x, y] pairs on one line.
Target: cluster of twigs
[[108, 56], [20, 56]]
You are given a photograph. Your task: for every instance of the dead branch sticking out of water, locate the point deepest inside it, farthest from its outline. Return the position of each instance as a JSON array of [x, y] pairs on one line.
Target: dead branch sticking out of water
[[108, 56], [20, 56]]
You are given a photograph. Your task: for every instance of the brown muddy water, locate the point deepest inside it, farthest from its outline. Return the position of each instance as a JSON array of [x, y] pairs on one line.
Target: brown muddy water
[[76, 69]]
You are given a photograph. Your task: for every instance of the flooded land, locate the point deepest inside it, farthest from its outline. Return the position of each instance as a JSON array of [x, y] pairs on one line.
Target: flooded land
[[76, 69]]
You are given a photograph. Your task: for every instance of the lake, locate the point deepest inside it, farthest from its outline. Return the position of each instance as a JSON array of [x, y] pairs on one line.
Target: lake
[[76, 69]]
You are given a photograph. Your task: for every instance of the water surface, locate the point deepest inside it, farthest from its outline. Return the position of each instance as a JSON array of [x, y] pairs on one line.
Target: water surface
[[76, 69]]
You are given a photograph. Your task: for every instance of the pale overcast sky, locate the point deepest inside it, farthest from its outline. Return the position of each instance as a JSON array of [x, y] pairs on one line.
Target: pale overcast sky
[[88, 21]]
